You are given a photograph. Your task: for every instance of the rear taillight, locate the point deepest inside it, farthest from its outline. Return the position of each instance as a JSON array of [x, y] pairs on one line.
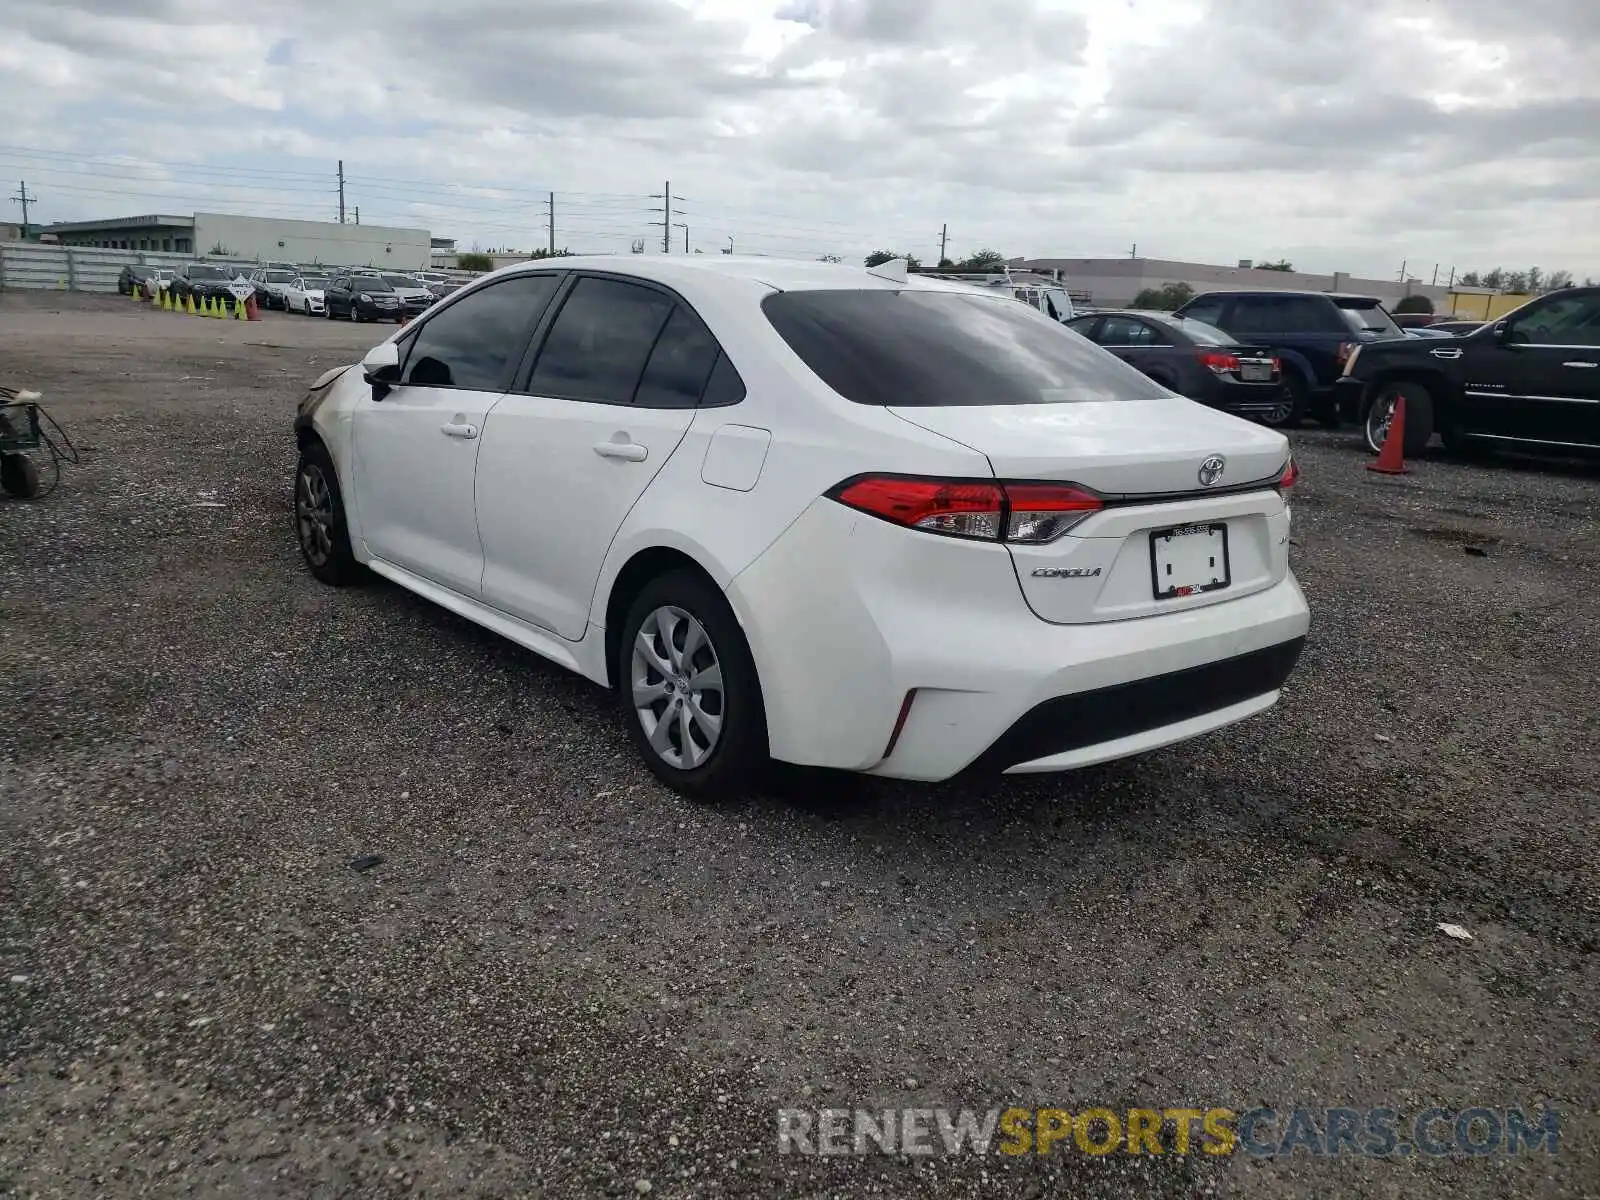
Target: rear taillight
[[1288, 477], [1346, 349], [1218, 362], [1028, 513]]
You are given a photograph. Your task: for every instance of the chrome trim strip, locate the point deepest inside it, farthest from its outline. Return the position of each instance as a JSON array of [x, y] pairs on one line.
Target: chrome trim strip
[[1500, 437]]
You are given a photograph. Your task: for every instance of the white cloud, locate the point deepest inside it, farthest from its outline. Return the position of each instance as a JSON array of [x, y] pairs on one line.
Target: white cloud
[[1343, 136]]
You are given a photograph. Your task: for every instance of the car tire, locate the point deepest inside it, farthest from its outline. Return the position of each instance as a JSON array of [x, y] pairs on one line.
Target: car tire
[[19, 476], [355, 315], [727, 735], [1289, 413], [1419, 416], [319, 520]]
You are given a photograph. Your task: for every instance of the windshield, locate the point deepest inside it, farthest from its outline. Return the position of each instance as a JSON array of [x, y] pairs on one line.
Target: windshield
[[314, 281], [206, 273], [277, 276], [401, 281], [369, 283], [1365, 316], [927, 349]]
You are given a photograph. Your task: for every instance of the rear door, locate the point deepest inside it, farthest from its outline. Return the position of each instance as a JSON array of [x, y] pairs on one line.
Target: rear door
[[416, 447], [1137, 343], [607, 400]]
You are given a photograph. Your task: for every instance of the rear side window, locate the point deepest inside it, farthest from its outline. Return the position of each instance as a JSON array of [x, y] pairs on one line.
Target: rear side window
[[600, 342], [920, 349], [1206, 308], [1127, 331], [475, 341], [679, 365]]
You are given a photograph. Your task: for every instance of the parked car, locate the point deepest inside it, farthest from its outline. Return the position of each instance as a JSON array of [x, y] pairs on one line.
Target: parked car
[[200, 280], [1529, 380], [1456, 327], [429, 278], [362, 298], [304, 294], [131, 277], [813, 513], [1193, 359], [448, 288], [271, 286], [1312, 333], [414, 294]]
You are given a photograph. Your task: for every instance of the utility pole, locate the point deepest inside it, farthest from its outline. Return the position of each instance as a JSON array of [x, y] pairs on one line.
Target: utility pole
[[1452, 282], [1133, 251], [1435, 274], [358, 214], [552, 203], [24, 199], [667, 223], [686, 239], [729, 250], [944, 237], [1403, 263], [341, 191]]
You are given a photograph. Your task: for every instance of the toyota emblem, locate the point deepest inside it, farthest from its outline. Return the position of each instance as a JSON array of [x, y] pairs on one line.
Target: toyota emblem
[[1211, 470]]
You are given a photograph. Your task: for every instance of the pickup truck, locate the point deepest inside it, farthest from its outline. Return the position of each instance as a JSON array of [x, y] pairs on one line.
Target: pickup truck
[[1530, 380]]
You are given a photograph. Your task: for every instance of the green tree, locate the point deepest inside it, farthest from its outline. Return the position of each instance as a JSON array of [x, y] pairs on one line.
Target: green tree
[[1414, 303], [1535, 279], [561, 253], [1164, 298], [1517, 283], [982, 260], [878, 257], [1283, 264], [473, 261], [946, 264], [1556, 280], [1470, 279], [829, 258], [1495, 279]]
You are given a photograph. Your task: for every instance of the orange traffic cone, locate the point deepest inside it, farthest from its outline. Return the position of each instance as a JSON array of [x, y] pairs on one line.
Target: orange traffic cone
[[1392, 458], [252, 310]]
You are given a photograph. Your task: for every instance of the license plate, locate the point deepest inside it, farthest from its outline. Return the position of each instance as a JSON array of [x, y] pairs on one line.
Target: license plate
[[1255, 372], [1188, 560]]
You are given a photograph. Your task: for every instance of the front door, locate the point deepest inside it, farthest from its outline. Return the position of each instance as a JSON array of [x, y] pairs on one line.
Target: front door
[[1536, 375], [417, 446], [564, 459]]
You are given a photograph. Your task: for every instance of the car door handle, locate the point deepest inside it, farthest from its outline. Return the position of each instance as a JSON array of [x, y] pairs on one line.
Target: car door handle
[[459, 429], [1447, 352], [627, 451], [1580, 364]]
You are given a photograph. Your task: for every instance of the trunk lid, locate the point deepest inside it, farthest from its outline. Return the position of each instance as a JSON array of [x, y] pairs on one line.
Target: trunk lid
[[1165, 542], [1119, 448]]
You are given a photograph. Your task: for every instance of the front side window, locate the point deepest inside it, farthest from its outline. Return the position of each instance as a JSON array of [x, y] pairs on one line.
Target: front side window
[[914, 348], [1566, 321], [477, 341], [600, 342]]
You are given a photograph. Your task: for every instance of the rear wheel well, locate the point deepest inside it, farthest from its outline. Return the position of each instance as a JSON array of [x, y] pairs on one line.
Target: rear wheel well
[[1431, 380], [636, 572]]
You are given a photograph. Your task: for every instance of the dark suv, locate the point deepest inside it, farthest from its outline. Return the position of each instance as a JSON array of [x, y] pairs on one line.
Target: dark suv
[[1312, 333], [1530, 380], [200, 280]]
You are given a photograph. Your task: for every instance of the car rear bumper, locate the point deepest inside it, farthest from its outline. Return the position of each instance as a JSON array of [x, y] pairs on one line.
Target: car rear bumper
[[913, 656], [1244, 399]]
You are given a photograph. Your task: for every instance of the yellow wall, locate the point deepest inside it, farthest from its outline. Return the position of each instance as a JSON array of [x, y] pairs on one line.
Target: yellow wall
[[1472, 307]]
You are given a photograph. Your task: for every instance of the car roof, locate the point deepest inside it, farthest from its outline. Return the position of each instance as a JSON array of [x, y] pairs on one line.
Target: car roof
[[784, 275], [1334, 296]]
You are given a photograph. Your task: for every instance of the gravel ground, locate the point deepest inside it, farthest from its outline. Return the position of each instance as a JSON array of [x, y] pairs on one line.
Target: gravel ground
[[565, 981]]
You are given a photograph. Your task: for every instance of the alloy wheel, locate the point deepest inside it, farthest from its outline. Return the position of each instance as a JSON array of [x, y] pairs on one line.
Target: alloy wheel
[[1379, 417], [313, 507], [677, 685]]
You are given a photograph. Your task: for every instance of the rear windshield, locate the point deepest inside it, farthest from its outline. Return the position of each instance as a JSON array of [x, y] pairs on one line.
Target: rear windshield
[[1199, 331], [1367, 317], [917, 349]]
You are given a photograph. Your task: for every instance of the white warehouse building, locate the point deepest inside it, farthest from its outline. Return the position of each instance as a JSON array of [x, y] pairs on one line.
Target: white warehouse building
[[261, 239]]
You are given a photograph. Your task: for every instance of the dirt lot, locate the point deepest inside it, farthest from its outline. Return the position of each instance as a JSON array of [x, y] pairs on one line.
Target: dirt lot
[[564, 980]]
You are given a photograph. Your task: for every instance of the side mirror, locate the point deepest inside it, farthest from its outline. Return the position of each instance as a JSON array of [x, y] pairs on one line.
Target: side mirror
[[380, 366]]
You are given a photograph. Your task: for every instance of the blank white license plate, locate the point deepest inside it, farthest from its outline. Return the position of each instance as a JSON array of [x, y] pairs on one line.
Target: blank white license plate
[[1255, 372], [1188, 560]]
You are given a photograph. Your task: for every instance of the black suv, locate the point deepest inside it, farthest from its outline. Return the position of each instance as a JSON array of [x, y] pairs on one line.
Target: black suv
[[200, 280], [1530, 379], [132, 277], [1312, 333], [362, 298]]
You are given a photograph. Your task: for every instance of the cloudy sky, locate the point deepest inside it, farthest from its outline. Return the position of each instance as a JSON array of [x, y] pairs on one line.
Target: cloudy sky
[[1344, 135]]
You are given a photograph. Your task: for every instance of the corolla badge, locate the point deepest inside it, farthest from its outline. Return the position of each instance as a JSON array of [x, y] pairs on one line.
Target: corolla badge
[[1211, 470]]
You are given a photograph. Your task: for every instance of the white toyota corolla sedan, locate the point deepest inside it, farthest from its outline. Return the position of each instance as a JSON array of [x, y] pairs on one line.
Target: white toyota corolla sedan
[[814, 513]]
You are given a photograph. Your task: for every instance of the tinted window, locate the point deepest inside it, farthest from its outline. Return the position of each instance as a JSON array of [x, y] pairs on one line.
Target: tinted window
[[1126, 331], [679, 365], [1367, 318], [1200, 333], [471, 343], [1206, 308], [277, 276], [205, 273], [724, 387], [1278, 314], [1569, 321], [370, 283], [922, 349], [1083, 325], [601, 339]]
